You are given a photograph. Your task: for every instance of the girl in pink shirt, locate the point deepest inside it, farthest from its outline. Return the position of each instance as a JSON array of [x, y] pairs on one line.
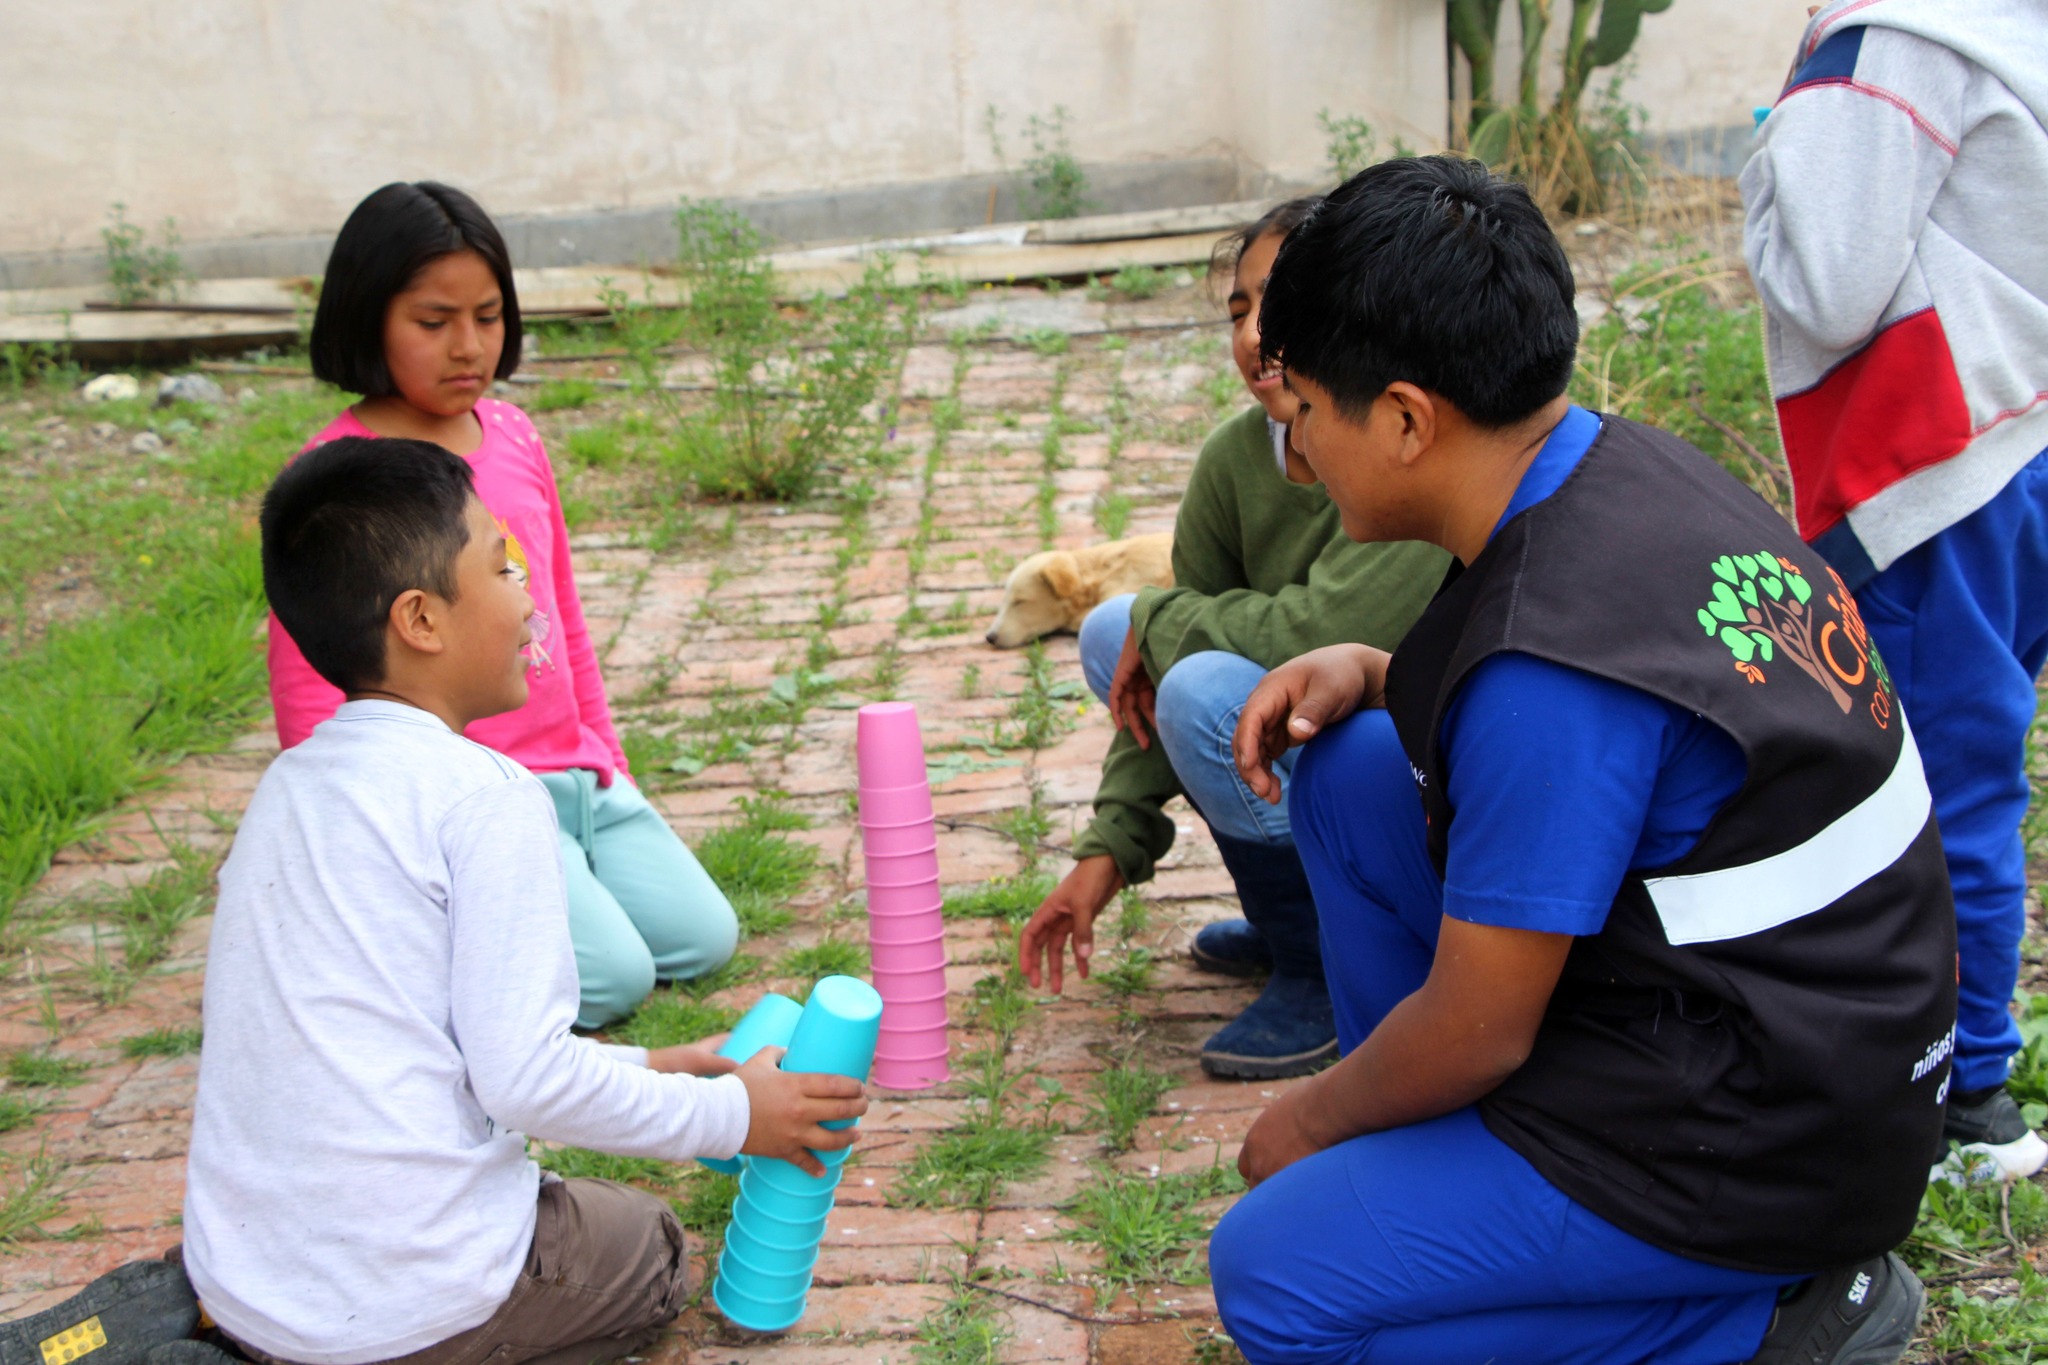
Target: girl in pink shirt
[[418, 314]]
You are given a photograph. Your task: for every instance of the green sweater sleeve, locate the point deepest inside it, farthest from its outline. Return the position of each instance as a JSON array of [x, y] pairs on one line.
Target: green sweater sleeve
[[1262, 569]]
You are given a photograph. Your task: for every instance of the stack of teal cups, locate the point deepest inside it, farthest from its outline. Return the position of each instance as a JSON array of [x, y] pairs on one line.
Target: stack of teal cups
[[769, 1024], [771, 1245]]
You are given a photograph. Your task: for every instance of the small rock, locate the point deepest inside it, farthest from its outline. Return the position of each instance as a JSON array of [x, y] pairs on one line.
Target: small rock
[[111, 388], [188, 388], [1589, 228], [245, 395], [146, 443], [105, 431]]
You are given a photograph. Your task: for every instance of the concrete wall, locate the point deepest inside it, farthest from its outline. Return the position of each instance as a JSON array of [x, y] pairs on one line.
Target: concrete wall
[[267, 120]]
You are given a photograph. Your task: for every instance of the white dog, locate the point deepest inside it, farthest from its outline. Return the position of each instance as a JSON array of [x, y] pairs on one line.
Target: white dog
[[1054, 590]]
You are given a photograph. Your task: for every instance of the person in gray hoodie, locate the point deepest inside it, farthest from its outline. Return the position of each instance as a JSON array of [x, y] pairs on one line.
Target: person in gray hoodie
[[1895, 205]]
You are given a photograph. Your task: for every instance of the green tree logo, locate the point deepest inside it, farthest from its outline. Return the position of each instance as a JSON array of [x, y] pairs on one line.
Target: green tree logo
[[1760, 609]]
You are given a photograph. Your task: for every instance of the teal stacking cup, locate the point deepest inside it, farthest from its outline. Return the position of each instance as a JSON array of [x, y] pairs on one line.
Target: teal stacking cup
[[756, 1314], [768, 1024], [837, 1035], [770, 1241], [756, 1281], [780, 1189]]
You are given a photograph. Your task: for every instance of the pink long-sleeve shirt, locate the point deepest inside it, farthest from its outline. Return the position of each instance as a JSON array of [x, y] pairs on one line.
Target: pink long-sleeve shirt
[[567, 721]]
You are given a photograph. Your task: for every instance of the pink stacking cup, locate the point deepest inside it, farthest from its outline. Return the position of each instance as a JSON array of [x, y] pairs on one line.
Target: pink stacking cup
[[896, 841], [904, 931], [896, 805], [905, 901], [912, 1020], [889, 745], [901, 869], [909, 983]]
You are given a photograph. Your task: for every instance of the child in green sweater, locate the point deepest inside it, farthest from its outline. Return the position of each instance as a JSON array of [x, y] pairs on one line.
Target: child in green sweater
[[1262, 572]]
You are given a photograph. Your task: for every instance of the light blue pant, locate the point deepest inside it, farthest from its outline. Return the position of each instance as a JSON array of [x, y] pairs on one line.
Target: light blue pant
[[641, 908], [1198, 705]]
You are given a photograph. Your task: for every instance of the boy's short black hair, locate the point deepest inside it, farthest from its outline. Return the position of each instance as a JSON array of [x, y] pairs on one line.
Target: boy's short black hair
[[1432, 270], [386, 242], [347, 527]]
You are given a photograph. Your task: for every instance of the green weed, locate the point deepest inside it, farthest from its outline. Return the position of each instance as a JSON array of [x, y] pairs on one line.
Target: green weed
[[1131, 975], [964, 1330], [1140, 281], [1043, 710], [1009, 899], [758, 869], [966, 1167], [704, 1204], [1113, 514], [558, 395], [1349, 144], [1046, 341], [668, 1017], [1670, 355], [46, 1069], [161, 1042], [581, 1163], [602, 446], [2009, 1330], [1148, 1229], [18, 1111], [32, 1195], [136, 271], [826, 957], [998, 1004], [1123, 1097]]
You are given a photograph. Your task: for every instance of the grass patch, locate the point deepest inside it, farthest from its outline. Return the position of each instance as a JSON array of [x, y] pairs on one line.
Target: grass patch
[[965, 1168], [581, 1163], [826, 957], [2009, 1330], [1044, 709], [1670, 354], [161, 1042], [1148, 1229], [557, 395], [1122, 1098], [45, 1069], [31, 1196], [151, 914], [756, 866], [964, 1330], [170, 664], [1130, 975], [998, 1004], [18, 1111], [1009, 899], [704, 1200], [668, 1017]]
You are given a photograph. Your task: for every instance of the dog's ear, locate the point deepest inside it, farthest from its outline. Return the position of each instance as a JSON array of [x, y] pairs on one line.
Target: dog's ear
[[1063, 577]]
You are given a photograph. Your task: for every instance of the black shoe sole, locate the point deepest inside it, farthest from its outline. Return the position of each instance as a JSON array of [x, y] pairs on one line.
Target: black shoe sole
[[1228, 966], [115, 1320], [1235, 1067]]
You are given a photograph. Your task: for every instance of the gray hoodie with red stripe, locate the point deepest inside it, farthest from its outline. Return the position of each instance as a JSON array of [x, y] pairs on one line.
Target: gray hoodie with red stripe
[[1897, 230]]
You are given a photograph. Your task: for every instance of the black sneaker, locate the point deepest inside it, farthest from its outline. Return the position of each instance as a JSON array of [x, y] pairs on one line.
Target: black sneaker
[[1986, 1138], [1232, 947], [1288, 1031], [1864, 1315], [115, 1320]]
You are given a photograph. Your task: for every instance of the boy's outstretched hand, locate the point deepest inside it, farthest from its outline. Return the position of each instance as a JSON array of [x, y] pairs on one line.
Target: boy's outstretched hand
[[692, 1059], [1298, 701], [785, 1109]]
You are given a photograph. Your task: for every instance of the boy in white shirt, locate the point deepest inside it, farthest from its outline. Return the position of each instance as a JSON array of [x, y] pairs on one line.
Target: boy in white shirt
[[390, 987]]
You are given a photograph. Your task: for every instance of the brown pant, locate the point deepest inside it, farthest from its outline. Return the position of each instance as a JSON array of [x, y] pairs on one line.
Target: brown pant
[[608, 1267]]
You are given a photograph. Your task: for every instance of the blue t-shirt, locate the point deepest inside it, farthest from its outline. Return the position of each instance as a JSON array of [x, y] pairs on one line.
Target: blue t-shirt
[[1564, 782]]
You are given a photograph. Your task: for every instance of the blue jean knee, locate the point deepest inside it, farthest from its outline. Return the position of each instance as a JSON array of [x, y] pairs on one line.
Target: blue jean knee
[[1102, 641], [1200, 699]]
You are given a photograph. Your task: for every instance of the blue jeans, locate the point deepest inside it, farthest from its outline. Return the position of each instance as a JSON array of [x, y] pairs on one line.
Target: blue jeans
[[1437, 1243], [1198, 705], [641, 908], [1962, 625]]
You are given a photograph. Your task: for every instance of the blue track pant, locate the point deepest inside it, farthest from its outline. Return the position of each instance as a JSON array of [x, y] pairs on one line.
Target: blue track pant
[[1962, 624], [1437, 1244]]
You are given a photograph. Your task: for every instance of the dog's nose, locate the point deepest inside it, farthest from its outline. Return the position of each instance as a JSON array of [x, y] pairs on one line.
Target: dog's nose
[[990, 635]]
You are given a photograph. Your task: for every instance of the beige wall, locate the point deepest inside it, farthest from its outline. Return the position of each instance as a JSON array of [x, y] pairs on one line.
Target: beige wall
[[248, 118]]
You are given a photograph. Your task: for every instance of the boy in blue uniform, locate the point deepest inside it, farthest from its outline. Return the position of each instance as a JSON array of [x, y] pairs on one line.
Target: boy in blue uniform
[[1646, 1003]]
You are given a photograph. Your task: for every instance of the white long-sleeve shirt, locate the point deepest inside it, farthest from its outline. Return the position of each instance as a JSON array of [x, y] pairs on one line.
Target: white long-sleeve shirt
[[389, 992]]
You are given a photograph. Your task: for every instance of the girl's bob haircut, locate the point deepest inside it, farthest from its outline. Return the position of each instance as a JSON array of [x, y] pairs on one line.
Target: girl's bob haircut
[[1282, 218], [386, 242]]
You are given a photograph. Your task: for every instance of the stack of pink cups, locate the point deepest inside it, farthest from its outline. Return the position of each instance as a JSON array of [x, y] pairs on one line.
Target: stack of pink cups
[[905, 931]]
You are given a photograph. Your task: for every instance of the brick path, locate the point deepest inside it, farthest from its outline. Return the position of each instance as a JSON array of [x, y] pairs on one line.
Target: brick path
[[691, 628]]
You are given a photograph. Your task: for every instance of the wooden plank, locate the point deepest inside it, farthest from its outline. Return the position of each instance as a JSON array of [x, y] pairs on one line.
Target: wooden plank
[[104, 336], [1122, 227]]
